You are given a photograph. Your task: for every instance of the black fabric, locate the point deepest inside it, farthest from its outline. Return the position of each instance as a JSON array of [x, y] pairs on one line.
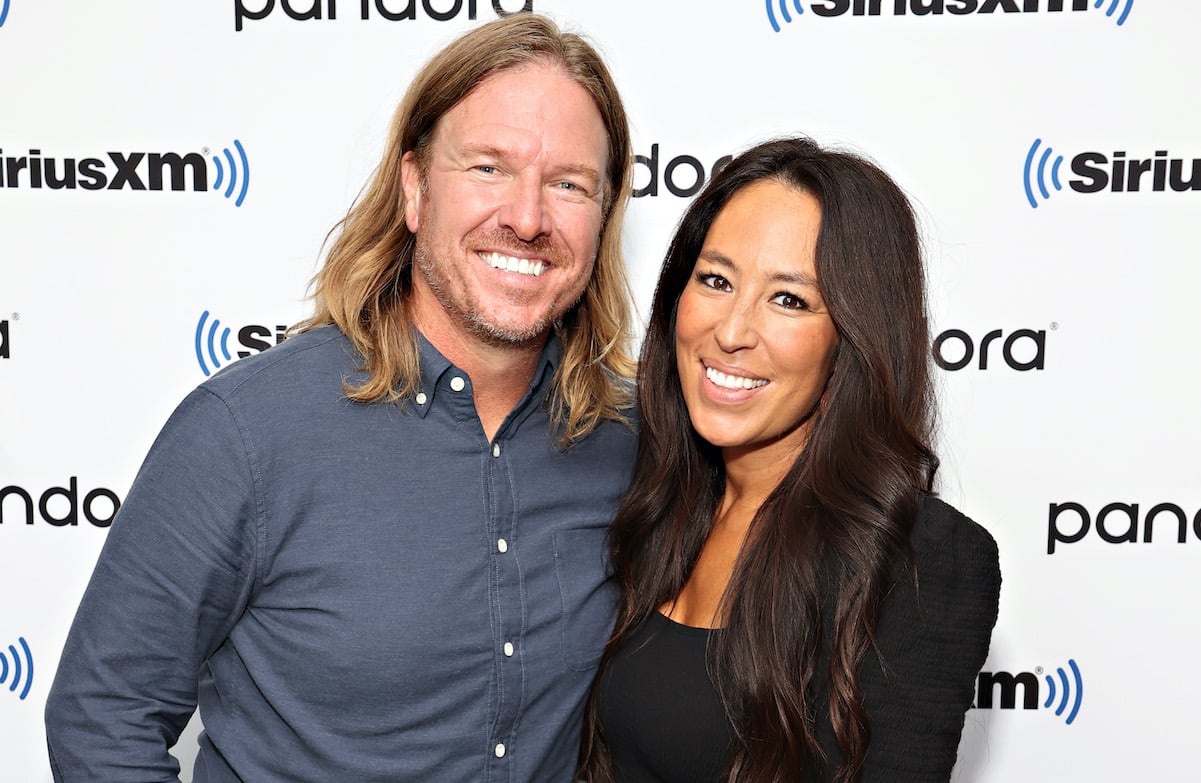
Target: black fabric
[[662, 720], [656, 703]]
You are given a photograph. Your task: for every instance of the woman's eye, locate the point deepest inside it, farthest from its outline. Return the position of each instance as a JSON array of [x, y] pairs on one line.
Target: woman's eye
[[790, 301], [716, 282], [569, 186]]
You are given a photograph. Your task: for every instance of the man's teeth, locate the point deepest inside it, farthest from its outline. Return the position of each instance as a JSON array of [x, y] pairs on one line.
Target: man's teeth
[[732, 381], [522, 266]]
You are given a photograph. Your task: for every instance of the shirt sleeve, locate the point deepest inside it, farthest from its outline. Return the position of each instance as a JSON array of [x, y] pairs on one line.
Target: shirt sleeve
[[933, 639], [172, 578]]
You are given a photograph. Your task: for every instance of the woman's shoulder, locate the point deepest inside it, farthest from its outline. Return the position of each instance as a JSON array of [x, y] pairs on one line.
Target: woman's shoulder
[[956, 594], [931, 640], [945, 538]]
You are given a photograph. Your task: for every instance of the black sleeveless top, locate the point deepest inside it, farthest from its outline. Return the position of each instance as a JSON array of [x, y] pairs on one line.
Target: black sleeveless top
[[662, 721]]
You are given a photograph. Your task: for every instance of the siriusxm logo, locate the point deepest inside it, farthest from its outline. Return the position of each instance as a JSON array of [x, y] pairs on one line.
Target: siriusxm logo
[[97, 513], [211, 342], [1123, 529], [21, 669], [787, 17], [784, 10], [1114, 5], [132, 171], [1022, 349], [1064, 693], [1097, 171], [683, 175], [390, 10]]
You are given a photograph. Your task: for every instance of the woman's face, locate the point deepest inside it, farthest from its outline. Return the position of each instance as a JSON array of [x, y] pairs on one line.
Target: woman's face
[[754, 342]]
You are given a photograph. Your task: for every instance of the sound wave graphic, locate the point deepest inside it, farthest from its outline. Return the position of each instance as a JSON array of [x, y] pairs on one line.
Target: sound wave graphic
[[771, 15], [209, 341], [233, 173], [3, 12], [1039, 177], [17, 669], [1066, 695], [1113, 7]]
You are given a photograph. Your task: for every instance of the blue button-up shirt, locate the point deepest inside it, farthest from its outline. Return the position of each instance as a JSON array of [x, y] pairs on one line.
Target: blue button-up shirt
[[352, 592]]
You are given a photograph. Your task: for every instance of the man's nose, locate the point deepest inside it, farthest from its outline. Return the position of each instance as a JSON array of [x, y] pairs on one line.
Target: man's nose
[[524, 210]]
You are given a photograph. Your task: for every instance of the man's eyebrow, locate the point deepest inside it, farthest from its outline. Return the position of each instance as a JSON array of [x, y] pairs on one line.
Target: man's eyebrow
[[582, 169], [494, 151], [486, 150]]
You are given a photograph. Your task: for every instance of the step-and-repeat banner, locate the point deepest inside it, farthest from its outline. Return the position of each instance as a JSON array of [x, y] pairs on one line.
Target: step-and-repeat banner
[[169, 172]]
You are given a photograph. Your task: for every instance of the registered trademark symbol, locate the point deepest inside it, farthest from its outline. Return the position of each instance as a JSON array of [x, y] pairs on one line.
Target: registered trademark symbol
[[204, 150], [1054, 325], [1038, 670], [16, 316]]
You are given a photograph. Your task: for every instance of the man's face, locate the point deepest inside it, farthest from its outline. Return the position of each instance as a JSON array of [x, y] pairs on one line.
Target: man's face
[[508, 212]]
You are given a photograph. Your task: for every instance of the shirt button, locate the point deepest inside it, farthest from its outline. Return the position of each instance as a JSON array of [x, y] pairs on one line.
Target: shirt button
[[500, 750], [502, 545], [508, 649], [457, 383], [496, 449], [421, 398]]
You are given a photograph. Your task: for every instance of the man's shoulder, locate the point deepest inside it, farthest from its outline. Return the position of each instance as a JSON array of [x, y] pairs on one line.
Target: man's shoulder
[[615, 437], [313, 359]]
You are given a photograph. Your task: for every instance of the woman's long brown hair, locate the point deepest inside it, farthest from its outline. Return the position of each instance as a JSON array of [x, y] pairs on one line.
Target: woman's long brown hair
[[802, 604]]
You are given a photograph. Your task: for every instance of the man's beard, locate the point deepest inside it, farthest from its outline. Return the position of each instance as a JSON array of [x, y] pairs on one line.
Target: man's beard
[[467, 312]]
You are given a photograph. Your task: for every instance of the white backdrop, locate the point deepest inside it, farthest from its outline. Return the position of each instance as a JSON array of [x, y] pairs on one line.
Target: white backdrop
[[104, 284]]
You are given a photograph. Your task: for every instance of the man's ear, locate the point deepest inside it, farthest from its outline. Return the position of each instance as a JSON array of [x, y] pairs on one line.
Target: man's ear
[[410, 182]]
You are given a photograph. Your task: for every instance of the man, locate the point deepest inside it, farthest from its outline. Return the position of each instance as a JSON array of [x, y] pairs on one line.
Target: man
[[375, 552]]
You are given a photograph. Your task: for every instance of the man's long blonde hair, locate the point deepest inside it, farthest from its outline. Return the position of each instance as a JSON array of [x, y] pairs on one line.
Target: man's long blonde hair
[[365, 284]]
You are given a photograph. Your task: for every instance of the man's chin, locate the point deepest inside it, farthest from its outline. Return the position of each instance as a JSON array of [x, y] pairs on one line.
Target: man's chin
[[510, 335]]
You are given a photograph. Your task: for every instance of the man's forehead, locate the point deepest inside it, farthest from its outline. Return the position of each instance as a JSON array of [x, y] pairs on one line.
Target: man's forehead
[[511, 106]]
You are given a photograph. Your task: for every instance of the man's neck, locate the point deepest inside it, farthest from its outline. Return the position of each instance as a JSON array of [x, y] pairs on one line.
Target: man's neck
[[500, 374]]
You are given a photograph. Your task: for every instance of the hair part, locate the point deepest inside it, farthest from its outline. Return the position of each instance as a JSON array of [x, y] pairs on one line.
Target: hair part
[[365, 284], [801, 606]]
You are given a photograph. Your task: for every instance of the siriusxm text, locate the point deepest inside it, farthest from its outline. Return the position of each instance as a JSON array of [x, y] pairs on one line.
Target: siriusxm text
[[955, 7], [251, 337], [999, 689], [1120, 173], [116, 171]]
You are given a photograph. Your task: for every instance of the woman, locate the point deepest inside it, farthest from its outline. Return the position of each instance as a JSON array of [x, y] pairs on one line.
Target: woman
[[796, 605]]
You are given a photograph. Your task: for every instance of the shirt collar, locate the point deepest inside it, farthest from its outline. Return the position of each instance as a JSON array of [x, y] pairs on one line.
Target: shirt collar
[[434, 365]]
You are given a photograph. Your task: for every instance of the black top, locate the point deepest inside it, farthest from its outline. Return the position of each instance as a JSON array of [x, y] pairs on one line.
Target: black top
[[662, 721], [660, 714]]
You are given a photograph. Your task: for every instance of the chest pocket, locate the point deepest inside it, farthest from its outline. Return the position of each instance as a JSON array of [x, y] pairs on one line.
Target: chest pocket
[[589, 595]]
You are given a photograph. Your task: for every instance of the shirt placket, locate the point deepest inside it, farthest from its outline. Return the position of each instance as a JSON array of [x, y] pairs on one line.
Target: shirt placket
[[508, 610], [504, 591]]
